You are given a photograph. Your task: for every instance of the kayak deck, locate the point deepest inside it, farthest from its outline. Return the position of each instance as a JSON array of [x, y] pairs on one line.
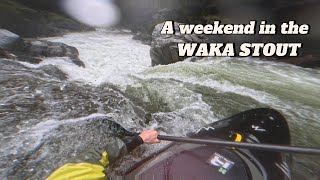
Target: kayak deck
[[190, 161]]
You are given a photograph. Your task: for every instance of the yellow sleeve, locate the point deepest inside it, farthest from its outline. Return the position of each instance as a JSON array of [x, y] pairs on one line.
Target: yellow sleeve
[[78, 171], [81, 171]]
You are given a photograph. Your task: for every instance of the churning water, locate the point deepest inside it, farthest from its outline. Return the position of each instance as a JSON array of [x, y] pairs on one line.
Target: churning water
[[119, 82]]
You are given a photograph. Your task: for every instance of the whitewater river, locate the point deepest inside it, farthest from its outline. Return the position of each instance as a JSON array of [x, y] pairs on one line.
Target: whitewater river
[[180, 97]]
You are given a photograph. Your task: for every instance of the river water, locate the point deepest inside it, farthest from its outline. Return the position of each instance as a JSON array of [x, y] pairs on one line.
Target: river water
[[180, 97]]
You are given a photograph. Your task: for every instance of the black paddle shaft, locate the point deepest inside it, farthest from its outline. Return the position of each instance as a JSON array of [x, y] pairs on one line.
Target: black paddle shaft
[[265, 147]]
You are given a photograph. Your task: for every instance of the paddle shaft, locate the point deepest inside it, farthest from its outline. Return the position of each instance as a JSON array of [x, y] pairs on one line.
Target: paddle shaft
[[265, 147]]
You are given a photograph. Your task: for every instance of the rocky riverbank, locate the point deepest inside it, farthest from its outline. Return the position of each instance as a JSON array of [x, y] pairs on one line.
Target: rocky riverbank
[[15, 48]]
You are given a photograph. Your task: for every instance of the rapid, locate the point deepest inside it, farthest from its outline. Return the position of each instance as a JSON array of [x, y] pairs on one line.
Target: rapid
[[45, 119]]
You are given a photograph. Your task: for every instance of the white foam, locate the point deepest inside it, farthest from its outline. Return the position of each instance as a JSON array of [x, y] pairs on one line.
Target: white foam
[[109, 56], [34, 136]]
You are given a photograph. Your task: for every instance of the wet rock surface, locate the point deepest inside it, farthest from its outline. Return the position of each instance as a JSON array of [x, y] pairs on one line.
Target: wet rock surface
[[9, 40], [41, 48], [14, 47], [164, 48], [144, 27], [40, 108], [6, 54]]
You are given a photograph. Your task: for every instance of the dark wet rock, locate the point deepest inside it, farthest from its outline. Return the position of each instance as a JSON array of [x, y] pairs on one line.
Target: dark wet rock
[[42, 48], [42, 113], [29, 59], [9, 40], [54, 71], [61, 97], [143, 26], [164, 48], [36, 48], [14, 47], [145, 38], [6, 54]]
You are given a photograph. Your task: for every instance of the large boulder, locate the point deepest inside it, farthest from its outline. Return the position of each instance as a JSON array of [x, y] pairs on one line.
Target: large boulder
[[144, 38], [14, 47], [164, 49], [143, 28], [10, 41], [42, 48]]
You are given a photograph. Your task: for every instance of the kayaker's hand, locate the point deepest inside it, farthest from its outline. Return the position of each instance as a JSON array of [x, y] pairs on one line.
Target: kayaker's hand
[[150, 136]]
